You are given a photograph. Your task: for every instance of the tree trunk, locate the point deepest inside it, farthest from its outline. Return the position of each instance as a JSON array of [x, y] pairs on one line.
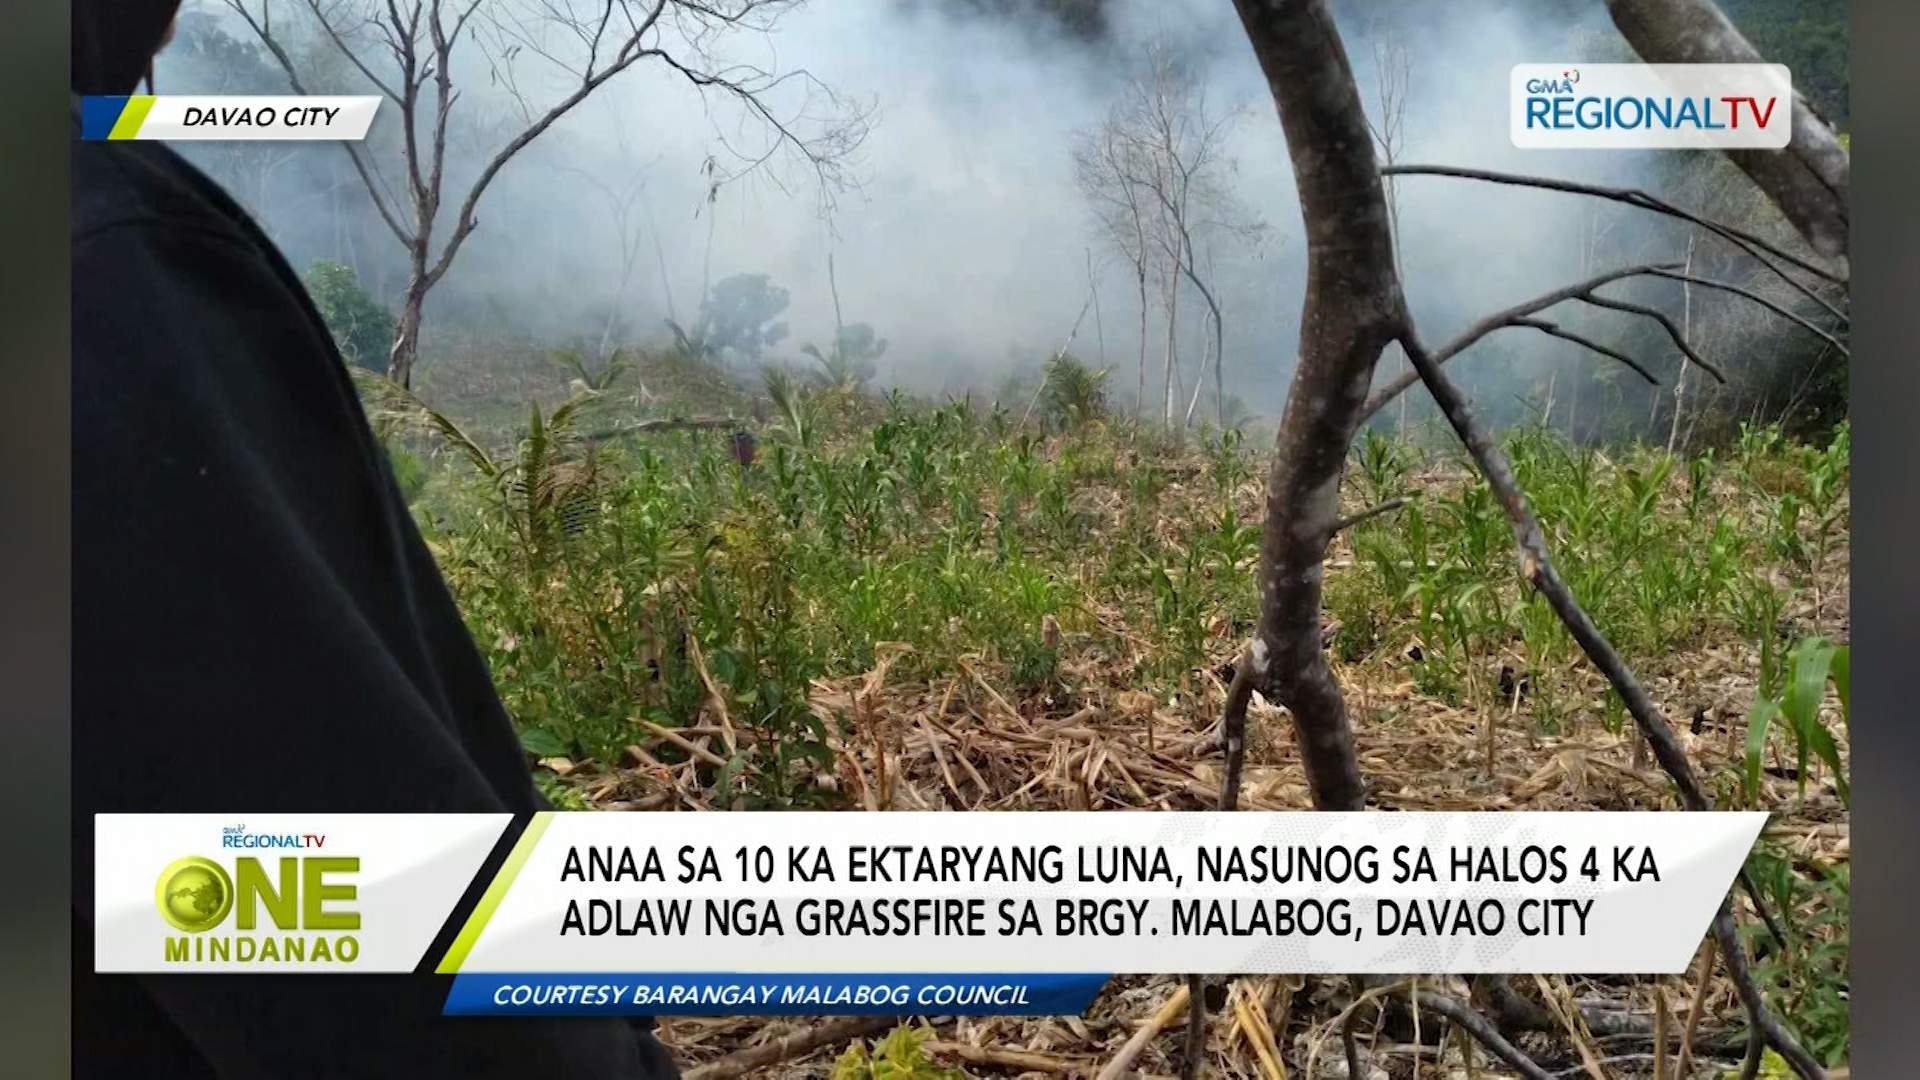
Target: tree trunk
[[1140, 399], [1808, 180], [1353, 309], [1686, 331], [406, 330], [1173, 326]]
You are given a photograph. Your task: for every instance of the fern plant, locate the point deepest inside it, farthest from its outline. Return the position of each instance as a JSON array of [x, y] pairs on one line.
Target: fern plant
[[799, 411], [542, 490], [1076, 394]]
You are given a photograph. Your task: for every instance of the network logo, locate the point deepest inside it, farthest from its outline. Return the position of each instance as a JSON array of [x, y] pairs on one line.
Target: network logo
[[1651, 106]]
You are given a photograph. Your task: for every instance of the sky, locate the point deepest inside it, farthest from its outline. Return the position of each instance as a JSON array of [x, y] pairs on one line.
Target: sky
[[965, 243]]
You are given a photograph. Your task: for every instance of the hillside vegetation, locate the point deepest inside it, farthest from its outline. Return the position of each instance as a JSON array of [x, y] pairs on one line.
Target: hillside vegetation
[[921, 606]]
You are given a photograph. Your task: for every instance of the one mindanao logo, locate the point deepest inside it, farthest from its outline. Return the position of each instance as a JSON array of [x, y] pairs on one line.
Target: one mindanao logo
[[290, 909]]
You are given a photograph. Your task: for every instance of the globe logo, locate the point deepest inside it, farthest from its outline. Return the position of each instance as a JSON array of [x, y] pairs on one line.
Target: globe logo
[[194, 894]]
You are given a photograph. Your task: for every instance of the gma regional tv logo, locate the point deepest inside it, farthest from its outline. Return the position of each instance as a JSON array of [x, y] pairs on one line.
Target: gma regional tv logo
[[1651, 106], [296, 907]]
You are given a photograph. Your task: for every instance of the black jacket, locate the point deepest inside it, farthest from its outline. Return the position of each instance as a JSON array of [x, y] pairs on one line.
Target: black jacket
[[257, 626]]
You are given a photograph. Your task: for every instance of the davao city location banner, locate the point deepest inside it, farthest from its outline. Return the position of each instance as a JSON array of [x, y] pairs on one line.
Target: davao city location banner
[[905, 913]]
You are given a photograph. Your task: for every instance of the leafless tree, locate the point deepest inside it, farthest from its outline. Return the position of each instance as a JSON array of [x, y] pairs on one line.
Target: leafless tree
[[1354, 308], [623, 195], [1686, 330], [1104, 169], [408, 51], [1392, 75], [1157, 173]]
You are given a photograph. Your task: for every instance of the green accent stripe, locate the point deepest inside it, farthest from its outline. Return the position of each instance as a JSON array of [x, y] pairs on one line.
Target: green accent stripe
[[497, 891], [135, 114]]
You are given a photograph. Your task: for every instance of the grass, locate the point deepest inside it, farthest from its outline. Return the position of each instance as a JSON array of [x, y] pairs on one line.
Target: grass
[[666, 586]]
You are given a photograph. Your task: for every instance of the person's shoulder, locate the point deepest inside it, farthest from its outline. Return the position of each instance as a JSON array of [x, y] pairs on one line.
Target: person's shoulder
[[121, 188]]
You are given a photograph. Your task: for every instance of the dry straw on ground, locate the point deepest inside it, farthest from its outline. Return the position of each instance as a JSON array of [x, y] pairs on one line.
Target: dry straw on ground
[[967, 742]]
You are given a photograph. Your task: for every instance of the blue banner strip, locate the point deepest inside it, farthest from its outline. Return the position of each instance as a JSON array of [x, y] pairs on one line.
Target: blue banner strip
[[734, 994], [98, 115]]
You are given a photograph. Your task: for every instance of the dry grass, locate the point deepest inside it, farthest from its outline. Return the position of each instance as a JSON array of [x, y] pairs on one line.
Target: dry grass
[[968, 742]]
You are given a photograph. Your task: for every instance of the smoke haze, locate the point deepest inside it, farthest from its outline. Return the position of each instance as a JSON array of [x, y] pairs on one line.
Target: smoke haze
[[966, 241]]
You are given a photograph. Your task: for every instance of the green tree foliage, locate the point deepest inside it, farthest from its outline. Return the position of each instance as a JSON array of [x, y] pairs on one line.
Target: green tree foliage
[[849, 364], [1810, 37], [741, 315], [225, 63], [362, 327]]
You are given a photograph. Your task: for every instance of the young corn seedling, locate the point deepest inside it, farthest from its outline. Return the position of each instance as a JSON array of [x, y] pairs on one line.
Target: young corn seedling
[[1811, 666]]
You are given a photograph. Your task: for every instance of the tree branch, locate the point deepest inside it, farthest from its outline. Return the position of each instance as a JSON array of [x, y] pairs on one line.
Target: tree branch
[[1499, 319], [1537, 568], [1368, 514], [465, 222], [1785, 313], [1553, 329], [1478, 1026], [1661, 317], [262, 29], [1629, 196], [805, 1041], [1753, 246]]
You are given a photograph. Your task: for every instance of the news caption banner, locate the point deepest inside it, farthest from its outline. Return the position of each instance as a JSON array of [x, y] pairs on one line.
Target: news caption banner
[[175, 118], [1651, 106], [1029, 914], [902, 914]]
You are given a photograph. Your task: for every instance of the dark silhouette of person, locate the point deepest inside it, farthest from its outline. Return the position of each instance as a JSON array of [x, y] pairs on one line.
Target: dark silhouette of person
[[744, 446], [257, 625]]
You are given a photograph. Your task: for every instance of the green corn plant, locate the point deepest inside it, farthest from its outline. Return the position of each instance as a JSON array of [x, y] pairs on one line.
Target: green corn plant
[[1806, 974], [1236, 544], [1786, 541], [1756, 607], [1826, 483], [1811, 666], [1699, 483], [1383, 465], [1230, 465]]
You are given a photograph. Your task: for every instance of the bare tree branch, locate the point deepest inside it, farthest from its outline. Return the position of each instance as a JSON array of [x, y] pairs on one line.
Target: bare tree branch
[[1628, 196], [1749, 294], [423, 38], [1482, 1030], [1536, 566], [1353, 309], [1499, 319], [465, 221], [1585, 292], [1666, 323], [1553, 329], [1368, 514], [262, 29]]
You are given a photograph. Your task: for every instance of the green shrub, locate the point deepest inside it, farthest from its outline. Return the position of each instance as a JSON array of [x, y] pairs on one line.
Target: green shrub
[[361, 326]]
